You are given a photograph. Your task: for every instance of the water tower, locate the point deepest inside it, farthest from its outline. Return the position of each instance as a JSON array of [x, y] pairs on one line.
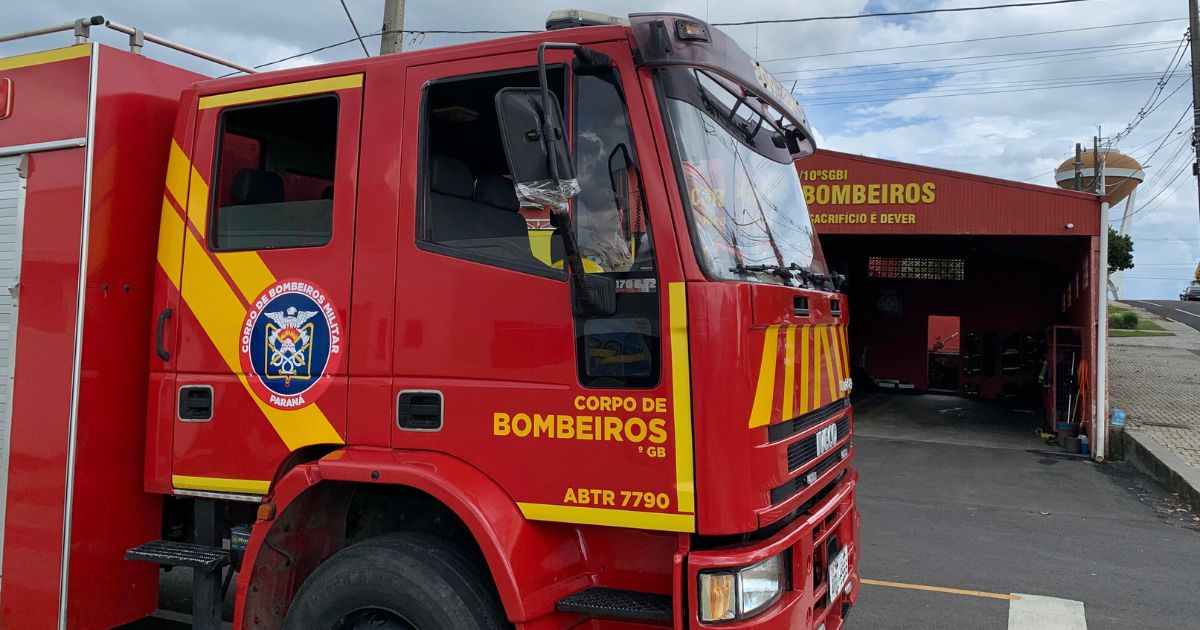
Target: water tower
[[1122, 174]]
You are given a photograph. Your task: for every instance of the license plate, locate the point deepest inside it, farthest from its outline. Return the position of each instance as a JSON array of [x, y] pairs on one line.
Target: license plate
[[839, 572], [826, 438]]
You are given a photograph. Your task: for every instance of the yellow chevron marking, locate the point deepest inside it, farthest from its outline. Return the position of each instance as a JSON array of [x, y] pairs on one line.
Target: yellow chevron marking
[[681, 392], [764, 395], [805, 331], [836, 344], [220, 314], [48, 56], [612, 518], [846, 351], [220, 484], [816, 366], [273, 92], [177, 175], [170, 242], [789, 373], [831, 385]]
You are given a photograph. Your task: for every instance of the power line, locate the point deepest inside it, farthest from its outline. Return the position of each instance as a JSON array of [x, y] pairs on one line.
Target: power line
[[897, 13], [973, 39], [811, 96], [378, 33], [932, 75], [1008, 63], [1167, 136], [355, 27], [1073, 50], [974, 93], [1150, 105]]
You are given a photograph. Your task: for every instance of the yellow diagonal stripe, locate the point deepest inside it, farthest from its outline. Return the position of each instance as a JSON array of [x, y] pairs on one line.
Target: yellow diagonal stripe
[[764, 395], [177, 175], [170, 242], [197, 203], [681, 393], [816, 367], [789, 372], [827, 356], [845, 334], [805, 383], [835, 343], [48, 56], [273, 92], [248, 272], [220, 312]]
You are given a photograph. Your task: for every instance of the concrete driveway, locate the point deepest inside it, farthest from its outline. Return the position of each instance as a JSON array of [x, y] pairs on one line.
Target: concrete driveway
[[970, 521]]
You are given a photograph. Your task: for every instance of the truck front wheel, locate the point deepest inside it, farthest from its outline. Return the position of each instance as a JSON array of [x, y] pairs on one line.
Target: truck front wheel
[[406, 581]]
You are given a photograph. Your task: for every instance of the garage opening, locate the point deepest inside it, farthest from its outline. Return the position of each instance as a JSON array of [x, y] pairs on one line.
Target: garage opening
[[977, 296]]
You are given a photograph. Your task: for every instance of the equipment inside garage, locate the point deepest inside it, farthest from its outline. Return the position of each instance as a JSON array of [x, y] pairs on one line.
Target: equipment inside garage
[[966, 285]]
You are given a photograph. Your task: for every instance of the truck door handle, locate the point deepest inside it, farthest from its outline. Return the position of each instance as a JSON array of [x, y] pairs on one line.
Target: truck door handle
[[159, 349], [196, 403], [419, 410]]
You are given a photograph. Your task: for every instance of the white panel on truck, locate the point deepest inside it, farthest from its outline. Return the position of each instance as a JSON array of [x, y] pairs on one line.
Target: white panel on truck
[[12, 198]]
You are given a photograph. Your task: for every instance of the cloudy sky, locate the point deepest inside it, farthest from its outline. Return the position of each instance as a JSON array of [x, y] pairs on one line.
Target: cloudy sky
[[1006, 106]]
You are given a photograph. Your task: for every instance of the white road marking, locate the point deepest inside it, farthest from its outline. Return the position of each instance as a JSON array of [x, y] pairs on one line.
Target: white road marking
[[1178, 309], [1035, 612]]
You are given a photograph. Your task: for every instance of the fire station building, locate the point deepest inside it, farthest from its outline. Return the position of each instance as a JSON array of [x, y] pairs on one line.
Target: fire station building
[[964, 285]]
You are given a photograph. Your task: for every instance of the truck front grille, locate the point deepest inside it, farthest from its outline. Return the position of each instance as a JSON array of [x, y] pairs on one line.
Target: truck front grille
[[784, 430], [804, 451], [792, 486]]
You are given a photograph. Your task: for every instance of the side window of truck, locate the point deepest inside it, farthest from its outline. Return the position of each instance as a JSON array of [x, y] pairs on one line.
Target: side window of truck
[[469, 205], [613, 231], [274, 175]]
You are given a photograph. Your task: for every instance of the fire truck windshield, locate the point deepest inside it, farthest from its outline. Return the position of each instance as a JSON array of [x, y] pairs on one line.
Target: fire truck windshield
[[747, 213]]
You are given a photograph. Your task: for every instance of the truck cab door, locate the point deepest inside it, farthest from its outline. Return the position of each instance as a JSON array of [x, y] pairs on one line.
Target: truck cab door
[[266, 280], [581, 419]]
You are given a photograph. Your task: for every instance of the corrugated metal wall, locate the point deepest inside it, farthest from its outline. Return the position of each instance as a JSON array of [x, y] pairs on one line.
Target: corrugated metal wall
[[11, 201]]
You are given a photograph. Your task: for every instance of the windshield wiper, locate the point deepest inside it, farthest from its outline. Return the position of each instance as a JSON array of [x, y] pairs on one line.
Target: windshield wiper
[[832, 280], [782, 272]]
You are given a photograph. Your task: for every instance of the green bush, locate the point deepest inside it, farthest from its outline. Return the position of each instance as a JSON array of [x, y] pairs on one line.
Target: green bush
[[1123, 320]]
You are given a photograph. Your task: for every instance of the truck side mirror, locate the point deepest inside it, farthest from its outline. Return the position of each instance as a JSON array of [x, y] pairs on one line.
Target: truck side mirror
[[535, 144]]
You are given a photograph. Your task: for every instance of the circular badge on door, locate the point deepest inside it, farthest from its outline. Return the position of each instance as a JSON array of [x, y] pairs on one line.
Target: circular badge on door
[[291, 344]]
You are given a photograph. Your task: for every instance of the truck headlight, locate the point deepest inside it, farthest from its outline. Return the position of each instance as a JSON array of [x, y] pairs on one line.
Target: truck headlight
[[741, 593]]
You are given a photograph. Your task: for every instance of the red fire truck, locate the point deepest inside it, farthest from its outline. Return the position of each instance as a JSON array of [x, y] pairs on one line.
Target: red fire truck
[[532, 332]]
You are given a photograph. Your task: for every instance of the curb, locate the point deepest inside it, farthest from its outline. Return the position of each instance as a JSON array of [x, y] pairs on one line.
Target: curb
[[1162, 465]]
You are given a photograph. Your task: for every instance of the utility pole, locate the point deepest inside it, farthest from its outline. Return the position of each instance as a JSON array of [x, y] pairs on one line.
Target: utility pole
[[1099, 440], [1194, 42], [393, 25], [1079, 167]]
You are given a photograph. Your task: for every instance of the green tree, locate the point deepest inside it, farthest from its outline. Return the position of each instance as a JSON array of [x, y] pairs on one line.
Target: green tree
[[1120, 251]]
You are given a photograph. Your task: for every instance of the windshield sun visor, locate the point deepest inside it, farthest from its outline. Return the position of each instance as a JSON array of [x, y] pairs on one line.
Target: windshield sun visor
[[674, 40]]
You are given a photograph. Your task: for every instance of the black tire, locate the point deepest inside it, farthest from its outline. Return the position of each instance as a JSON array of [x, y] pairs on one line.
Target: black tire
[[414, 580]]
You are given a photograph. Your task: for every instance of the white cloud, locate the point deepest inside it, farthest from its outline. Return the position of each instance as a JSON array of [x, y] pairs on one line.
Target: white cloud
[[1018, 135]]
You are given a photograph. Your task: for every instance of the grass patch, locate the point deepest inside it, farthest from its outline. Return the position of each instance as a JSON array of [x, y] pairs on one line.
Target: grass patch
[[1125, 323], [1115, 332]]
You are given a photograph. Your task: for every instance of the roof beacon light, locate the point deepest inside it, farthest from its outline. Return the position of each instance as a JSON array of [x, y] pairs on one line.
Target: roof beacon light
[[571, 18]]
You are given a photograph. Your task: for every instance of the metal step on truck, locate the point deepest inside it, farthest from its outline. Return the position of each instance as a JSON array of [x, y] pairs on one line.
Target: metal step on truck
[[532, 332]]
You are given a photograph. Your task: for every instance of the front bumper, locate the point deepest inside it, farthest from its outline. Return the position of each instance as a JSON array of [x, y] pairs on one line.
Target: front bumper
[[805, 604]]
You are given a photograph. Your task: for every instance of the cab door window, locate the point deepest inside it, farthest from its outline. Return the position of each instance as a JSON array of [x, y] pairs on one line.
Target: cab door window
[[275, 168], [470, 206], [613, 232]]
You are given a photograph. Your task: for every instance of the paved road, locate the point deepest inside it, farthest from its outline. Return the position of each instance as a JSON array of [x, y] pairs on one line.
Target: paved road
[[988, 514], [1183, 312]]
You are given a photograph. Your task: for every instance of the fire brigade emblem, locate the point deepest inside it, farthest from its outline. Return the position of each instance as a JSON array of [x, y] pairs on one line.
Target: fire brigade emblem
[[291, 343]]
